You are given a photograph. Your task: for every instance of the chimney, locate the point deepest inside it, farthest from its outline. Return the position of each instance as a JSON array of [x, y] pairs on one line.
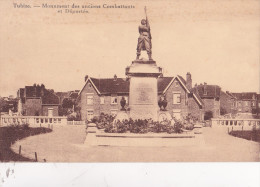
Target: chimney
[[86, 77], [205, 88], [42, 90], [115, 77], [188, 80]]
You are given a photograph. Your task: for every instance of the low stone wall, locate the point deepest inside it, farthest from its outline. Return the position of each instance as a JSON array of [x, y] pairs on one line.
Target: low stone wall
[[236, 124], [32, 120]]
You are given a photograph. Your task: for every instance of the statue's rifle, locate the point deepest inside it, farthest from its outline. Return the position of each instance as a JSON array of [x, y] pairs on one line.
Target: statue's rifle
[[147, 23]]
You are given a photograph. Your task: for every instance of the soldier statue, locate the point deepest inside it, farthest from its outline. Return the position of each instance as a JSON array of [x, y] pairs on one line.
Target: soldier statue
[[144, 40]]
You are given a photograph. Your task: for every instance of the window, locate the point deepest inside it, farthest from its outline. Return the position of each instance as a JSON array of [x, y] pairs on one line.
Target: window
[[253, 103], [246, 103], [113, 99], [89, 99], [176, 98], [102, 100]]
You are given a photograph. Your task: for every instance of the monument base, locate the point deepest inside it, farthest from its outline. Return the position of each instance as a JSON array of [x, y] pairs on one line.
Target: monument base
[[143, 93]]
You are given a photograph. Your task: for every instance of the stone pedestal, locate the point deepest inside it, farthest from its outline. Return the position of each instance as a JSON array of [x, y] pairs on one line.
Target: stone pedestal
[[143, 93]]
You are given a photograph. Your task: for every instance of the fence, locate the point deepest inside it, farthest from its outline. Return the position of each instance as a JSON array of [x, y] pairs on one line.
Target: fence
[[76, 123], [236, 124], [32, 120]]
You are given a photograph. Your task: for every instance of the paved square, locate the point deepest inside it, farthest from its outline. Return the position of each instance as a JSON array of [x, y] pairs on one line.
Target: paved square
[[66, 144]]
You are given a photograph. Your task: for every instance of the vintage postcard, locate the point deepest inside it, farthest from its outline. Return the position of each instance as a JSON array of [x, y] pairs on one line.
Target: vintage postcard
[[129, 81]]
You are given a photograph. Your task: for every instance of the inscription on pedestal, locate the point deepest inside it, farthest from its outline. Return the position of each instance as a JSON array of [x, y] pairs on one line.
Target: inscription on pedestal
[[143, 97]]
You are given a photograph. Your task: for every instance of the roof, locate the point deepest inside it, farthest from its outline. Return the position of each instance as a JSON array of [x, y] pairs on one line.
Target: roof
[[196, 94], [229, 94], [208, 91], [163, 82], [48, 98], [182, 79], [118, 85], [32, 91], [121, 85], [245, 95]]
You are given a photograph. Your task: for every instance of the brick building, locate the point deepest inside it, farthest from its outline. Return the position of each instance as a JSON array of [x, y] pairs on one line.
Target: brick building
[[37, 101], [246, 102], [227, 103], [103, 96], [210, 95]]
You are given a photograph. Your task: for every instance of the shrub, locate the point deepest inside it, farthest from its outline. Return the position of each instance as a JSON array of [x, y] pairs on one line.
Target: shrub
[[25, 126], [94, 119], [188, 126], [139, 126], [103, 120], [121, 127], [109, 128], [178, 127]]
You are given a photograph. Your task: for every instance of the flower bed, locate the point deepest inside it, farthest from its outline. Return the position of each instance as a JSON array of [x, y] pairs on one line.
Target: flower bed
[[139, 126]]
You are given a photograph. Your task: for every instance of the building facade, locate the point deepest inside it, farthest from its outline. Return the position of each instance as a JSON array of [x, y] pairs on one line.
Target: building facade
[[37, 101], [246, 102], [227, 103], [103, 96], [210, 95]]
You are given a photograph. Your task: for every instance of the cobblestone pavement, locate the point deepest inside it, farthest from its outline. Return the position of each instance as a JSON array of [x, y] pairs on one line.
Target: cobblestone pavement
[[66, 144]]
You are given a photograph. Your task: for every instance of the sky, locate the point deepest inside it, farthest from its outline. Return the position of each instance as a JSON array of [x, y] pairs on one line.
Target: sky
[[217, 41]]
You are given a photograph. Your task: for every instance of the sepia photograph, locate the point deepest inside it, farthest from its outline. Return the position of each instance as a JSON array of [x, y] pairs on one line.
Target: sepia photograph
[[129, 81]]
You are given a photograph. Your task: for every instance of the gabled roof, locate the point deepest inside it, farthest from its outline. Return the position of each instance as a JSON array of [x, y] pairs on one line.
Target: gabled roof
[[245, 95], [208, 91], [113, 86], [181, 80], [196, 95], [163, 82]]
